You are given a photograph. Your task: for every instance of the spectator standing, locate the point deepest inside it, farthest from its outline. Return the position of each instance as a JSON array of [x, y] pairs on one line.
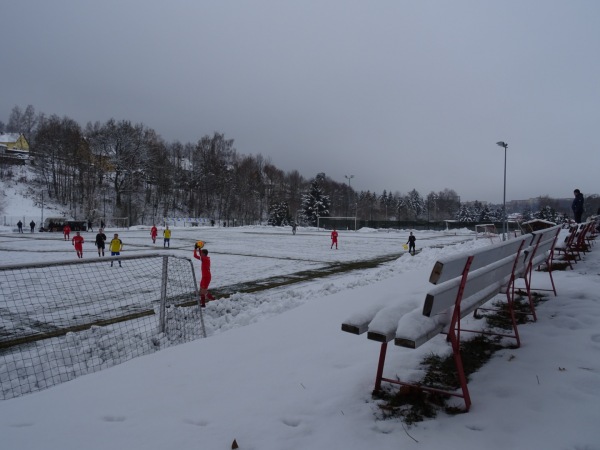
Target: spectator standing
[[100, 242], [167, 237], [67, 232], [32, 226], [202, 255], [20, 226], [90, 225], [411, 243], [116, 245], [78, 243], [294, 228], [334, 238], [153, 233], [577, 205]]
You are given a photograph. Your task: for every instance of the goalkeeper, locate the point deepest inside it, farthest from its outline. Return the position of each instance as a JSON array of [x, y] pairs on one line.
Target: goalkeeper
[[202, 254]]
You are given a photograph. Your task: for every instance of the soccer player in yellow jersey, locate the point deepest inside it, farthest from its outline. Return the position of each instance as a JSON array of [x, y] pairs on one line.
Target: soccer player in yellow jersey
[[116, 245]]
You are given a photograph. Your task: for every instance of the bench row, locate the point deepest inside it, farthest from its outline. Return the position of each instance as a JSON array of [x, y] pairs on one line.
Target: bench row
[[462, 283]]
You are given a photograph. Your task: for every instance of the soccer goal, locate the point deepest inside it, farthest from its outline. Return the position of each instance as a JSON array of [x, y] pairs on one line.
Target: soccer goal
[[120, 222], [64, 319], [486, 230], [337, 222]]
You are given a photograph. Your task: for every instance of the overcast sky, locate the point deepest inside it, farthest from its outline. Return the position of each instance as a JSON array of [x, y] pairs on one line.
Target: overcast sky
[[401, 94]]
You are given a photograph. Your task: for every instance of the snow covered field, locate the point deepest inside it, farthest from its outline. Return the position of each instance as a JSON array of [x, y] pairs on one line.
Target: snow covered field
[[276, 371]]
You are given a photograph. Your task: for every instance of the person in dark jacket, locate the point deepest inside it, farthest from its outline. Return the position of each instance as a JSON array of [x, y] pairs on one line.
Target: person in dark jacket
[[411, 244], [577, 205], [101, 242]]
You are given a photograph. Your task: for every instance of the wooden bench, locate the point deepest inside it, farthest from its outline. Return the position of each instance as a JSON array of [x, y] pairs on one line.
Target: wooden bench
[[575, 243], [463, 283]]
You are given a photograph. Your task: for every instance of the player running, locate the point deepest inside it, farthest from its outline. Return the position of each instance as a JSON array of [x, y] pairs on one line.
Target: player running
[[78, 243], [67, 232]]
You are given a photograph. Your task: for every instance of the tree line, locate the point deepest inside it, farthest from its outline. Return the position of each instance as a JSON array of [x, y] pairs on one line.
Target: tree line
[[123, 169]]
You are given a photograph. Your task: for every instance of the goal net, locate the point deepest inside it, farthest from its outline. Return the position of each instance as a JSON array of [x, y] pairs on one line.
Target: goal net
[[340, 223], [61, 320], [120, 222], [486, 230]]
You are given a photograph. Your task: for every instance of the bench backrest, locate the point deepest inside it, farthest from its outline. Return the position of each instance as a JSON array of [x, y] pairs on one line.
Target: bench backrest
[[542, 243], [452, 266], [482, 284]]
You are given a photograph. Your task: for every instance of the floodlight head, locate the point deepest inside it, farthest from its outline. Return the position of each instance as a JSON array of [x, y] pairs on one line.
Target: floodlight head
[[502, 144]]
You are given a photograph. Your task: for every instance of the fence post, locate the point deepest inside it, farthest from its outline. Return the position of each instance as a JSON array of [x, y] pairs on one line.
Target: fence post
[[163, 294]]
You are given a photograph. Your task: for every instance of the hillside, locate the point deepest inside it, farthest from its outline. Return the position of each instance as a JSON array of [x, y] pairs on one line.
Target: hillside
[[21, 200]]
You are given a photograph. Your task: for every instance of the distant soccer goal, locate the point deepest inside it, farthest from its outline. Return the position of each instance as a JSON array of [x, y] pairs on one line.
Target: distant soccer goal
[[61, 320], [341, 223], [120, 222], [486, 230]]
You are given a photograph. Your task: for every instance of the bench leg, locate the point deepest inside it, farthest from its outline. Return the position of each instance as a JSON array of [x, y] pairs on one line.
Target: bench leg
[[510, 297], [455, 342], [379, 376], [528, 276]]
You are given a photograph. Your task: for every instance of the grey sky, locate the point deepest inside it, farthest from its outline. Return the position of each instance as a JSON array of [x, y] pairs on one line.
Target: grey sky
[[400, 94]]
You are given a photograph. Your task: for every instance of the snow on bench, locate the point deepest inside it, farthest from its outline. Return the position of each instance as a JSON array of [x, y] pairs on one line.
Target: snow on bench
[[463, 283]]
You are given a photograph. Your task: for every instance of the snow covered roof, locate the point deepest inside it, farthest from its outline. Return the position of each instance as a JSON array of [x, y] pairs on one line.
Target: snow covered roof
[[9, 137]]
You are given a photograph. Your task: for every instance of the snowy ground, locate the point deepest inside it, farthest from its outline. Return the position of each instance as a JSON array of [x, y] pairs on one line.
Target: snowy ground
[[276, 372], [280, 374]]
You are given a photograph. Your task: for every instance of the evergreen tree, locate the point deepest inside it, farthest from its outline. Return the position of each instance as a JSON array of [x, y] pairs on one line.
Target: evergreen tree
[[548, 213], [315, 203], [279, 214], [484, 214], [415, 203]]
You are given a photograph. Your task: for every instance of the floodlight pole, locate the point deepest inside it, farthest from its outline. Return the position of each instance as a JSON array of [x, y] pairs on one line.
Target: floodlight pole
[[348, 177], [504, 218]]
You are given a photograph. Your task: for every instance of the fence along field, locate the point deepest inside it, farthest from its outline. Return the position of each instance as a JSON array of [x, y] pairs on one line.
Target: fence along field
[[65, 319]]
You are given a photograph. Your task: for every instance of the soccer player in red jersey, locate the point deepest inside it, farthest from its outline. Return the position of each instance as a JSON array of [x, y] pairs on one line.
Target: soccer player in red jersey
[[334, 237], [78, 243], [202, 255]]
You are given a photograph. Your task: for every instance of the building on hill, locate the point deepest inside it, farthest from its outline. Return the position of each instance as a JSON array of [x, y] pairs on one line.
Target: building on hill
[[14, 144]]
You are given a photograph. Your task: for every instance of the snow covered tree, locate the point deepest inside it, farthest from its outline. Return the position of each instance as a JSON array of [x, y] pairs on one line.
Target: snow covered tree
[[469, 212], [484, 214], [415, 203], [315, 203], [279, 214], [548, 213]]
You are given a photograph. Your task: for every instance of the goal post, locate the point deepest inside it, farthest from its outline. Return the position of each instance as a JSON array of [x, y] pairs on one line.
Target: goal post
[[336, 221], [120, 222], [64, 319], [486, 230]]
